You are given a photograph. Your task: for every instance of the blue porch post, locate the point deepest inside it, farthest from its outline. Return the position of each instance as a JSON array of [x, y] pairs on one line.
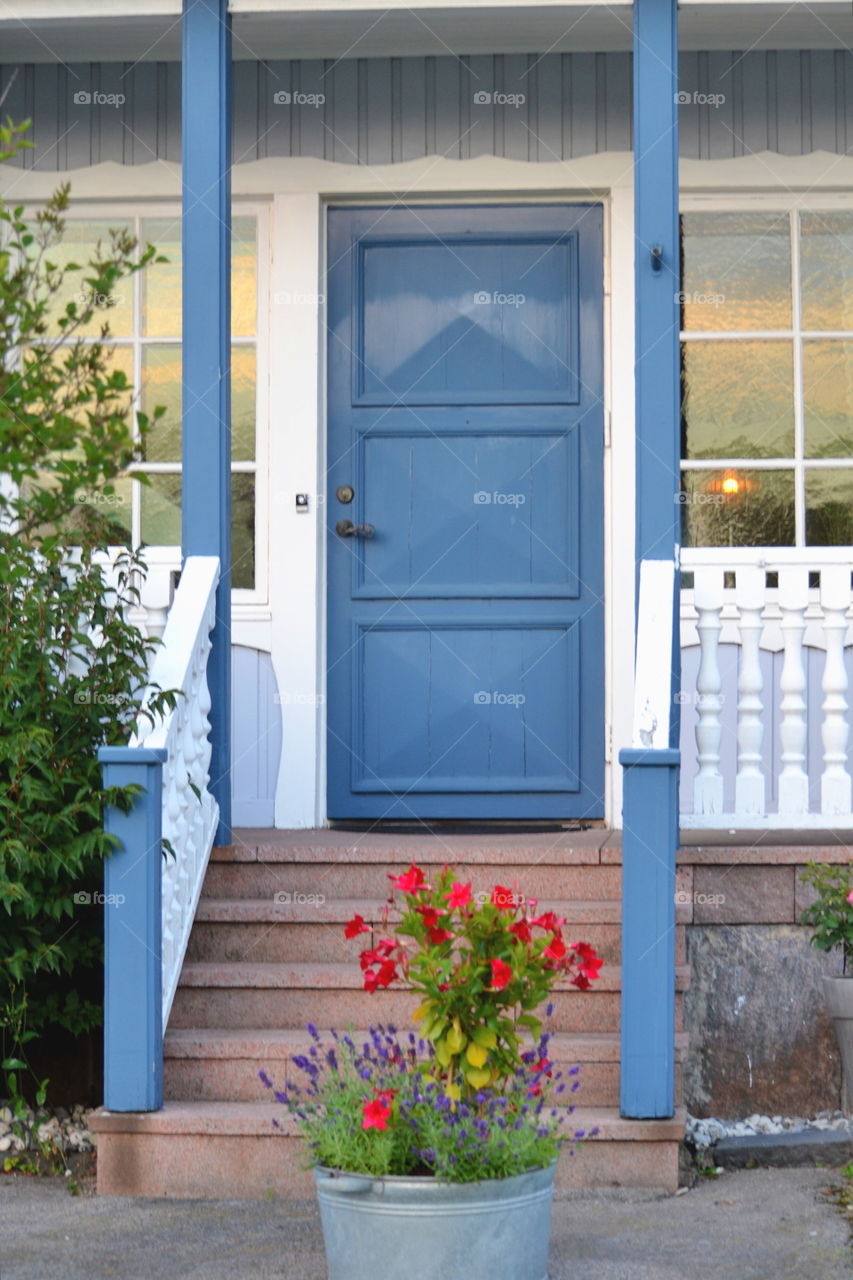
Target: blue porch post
[[133, 1010], [650, 809], [206, 125]]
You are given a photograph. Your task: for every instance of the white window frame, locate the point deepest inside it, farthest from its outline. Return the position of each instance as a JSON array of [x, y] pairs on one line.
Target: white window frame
[[248, 602], [793, 204]]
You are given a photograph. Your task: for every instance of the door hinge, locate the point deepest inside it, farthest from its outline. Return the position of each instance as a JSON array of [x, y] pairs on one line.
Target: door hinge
[[608, 743], [607, 428]]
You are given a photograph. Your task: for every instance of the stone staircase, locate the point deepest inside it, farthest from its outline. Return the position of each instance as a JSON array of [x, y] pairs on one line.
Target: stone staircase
[[267, 954]]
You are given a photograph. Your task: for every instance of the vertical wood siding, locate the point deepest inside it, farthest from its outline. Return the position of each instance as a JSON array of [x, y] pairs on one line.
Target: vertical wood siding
[[256, 728], [385, 110]]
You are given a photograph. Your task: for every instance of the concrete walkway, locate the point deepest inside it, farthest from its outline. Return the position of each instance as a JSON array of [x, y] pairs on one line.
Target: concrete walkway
[[765, 1224]]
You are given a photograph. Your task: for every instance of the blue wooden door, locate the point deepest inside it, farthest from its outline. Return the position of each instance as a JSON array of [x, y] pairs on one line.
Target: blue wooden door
[[465, 572]]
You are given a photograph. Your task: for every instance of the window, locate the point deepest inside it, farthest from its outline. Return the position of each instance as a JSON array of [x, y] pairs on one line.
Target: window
[[767, 378], [145, 328]]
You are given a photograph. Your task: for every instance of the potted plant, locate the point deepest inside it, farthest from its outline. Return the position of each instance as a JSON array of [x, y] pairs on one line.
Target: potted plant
[[830, 917], [434, 1151]]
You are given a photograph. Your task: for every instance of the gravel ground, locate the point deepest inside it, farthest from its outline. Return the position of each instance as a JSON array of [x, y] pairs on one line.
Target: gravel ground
[[764, 1224]]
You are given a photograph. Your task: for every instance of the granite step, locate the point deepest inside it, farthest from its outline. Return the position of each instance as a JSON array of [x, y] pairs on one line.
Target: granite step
[[222, 1064], [293, 993], [218, 1150], [273, 930]]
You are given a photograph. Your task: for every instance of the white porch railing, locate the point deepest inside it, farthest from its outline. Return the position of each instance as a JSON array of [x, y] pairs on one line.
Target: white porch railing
[[190, 813], [150, 898], [765, 724]]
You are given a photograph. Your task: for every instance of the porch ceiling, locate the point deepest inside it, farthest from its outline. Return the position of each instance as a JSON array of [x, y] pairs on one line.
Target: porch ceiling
[[149, 30]]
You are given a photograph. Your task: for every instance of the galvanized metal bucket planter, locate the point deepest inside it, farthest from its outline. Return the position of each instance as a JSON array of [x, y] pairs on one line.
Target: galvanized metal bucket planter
[[421, 1229], [838, 993]]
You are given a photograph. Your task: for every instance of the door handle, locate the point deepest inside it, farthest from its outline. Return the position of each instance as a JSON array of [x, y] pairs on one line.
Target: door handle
[[346, 529]]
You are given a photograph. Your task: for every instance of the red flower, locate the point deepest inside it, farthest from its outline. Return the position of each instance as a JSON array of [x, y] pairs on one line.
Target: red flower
[[521, 930], [556, 948], [430, 915], [459, 895], [541, 1067], [355, 927], [411, 881], [588, 961], [383, 978], [501, 974], [437, 936], [504, 899], [376, 1113], [548, 920]]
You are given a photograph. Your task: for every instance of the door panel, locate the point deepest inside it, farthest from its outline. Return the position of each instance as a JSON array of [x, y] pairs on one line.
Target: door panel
[[466, 634]]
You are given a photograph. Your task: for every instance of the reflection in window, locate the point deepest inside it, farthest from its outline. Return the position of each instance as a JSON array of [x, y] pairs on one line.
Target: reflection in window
[[767, 376], [733, 508], [145, 333]]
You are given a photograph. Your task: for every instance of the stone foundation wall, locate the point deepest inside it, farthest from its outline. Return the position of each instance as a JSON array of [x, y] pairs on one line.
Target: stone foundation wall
[[760, 1039]]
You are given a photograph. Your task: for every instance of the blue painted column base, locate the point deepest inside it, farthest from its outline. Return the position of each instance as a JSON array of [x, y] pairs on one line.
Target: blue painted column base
[[649, 846], [133, 974]]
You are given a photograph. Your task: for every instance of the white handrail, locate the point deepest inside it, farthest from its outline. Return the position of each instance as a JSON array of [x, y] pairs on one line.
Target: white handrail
[[190, 812], [653, 666]]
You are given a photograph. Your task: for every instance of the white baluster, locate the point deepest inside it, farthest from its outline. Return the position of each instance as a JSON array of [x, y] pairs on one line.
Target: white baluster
[[793, 779], [749, 784], [835, 791], [708, 601]]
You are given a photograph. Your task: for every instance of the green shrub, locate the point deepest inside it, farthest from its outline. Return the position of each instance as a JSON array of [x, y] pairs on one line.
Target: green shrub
[[73, 664]]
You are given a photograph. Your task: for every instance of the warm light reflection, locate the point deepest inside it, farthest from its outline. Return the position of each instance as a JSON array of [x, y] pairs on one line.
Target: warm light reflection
[[730, 484]]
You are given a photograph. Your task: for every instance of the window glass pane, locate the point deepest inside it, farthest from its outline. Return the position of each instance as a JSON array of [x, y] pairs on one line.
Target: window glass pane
[[161, 385], [242, 403], [829, 508], [828, 399], [242, 530], [826, 270], [161, 511], [737, 508], [244, 287], [738, 400], [736, 271], [79, 245], [161, 288], [161, 281]]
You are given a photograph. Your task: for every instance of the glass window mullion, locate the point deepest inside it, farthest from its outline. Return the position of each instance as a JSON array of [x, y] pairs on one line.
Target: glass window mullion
[[799, 427], [136, 487]]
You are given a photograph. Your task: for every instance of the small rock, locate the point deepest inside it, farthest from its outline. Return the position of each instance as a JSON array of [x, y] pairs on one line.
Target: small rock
[[5, 1143]]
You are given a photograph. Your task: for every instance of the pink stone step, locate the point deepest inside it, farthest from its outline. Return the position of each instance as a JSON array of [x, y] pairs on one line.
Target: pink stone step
[[324, 845], [291, 994], [206, 1150], [229, 878], [220, 1065], [261, 929]]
